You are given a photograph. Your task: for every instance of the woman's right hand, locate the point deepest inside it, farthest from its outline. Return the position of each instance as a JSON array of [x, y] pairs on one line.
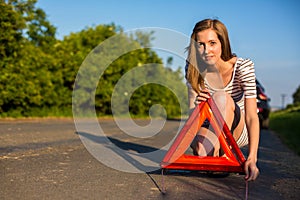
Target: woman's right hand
[[202, 96]]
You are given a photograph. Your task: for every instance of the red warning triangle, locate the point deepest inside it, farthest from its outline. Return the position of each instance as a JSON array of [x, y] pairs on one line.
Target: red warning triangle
[[232, 160]]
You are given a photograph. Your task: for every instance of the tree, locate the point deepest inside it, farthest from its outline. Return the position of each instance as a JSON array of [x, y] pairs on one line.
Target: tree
[[169, 61], [38, 71], [26, 65], [296, 96], [11, 27], [35, 26]]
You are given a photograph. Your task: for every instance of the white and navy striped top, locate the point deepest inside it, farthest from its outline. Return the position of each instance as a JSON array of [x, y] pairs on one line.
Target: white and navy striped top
[[242, 85]]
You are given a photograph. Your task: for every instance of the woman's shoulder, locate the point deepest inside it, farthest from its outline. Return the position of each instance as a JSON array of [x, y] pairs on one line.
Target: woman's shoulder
[[242, 63], [243, 66], [241, 60]]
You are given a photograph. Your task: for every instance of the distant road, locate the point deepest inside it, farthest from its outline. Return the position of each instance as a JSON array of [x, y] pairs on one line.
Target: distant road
[[45, 159]]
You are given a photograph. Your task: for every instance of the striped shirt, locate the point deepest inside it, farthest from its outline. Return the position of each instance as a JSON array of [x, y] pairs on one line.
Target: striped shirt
[[242, 85]]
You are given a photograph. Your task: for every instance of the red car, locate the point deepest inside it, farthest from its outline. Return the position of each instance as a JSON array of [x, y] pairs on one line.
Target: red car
[[263, 106]]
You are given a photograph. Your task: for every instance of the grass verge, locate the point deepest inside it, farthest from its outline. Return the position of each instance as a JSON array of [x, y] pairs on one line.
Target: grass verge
[[286, 123]]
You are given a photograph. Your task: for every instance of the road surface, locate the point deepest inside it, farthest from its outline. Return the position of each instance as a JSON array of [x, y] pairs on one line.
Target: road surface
[[46, 159]]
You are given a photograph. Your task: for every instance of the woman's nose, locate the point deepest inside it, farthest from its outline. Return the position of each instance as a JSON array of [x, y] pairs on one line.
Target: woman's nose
[[207, 48]]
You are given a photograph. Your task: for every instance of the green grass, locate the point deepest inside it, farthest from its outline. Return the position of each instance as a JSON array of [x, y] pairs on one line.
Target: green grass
[[286, 123], [39, 112]]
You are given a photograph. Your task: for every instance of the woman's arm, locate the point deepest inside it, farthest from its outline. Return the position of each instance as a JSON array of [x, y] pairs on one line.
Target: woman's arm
[[252, 123], [191, 98], [194, 98]]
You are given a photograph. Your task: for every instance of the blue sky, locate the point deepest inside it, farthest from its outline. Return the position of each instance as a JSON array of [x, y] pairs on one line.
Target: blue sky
[[266, 31]]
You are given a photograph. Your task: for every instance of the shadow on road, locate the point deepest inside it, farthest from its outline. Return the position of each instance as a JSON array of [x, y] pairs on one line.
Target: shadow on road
[[137, 155], [131, 148]]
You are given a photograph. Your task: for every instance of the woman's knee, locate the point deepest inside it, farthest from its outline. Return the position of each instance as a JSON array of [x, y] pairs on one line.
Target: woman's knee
[[224, 102]]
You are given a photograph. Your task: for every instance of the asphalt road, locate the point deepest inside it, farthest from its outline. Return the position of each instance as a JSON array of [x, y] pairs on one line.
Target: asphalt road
[[46, 159]]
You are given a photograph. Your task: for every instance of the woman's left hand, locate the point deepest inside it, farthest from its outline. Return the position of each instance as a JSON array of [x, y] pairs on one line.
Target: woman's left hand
[[251, 170]]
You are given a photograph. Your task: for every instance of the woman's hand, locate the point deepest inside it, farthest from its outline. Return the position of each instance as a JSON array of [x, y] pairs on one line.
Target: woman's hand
[[202, 96], [251, 170]]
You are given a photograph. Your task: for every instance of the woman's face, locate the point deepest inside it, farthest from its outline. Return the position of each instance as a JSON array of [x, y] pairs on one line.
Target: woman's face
[[209, 46]]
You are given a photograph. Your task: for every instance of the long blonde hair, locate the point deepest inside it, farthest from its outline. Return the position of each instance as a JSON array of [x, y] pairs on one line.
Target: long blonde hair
[[194, 72]]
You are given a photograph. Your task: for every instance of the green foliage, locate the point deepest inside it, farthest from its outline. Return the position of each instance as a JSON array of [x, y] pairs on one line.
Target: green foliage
[[28, 75], [286, 124], [296, 96], [38, 71], [11, 26]]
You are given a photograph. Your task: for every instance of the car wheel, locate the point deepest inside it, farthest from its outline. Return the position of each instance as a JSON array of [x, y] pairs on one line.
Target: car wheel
[[265, 123]]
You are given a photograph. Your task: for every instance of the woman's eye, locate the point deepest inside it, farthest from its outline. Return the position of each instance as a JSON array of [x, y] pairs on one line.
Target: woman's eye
[[212, 43], [200, 45]]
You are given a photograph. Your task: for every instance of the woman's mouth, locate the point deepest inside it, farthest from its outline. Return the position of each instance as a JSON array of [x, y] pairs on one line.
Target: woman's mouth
[[208, 57]]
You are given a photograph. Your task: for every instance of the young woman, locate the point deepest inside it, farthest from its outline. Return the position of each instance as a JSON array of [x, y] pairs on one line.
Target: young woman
[[212, 68]]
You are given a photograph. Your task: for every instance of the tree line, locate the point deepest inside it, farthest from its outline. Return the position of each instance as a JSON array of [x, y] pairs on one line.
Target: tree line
[[38, 71]]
